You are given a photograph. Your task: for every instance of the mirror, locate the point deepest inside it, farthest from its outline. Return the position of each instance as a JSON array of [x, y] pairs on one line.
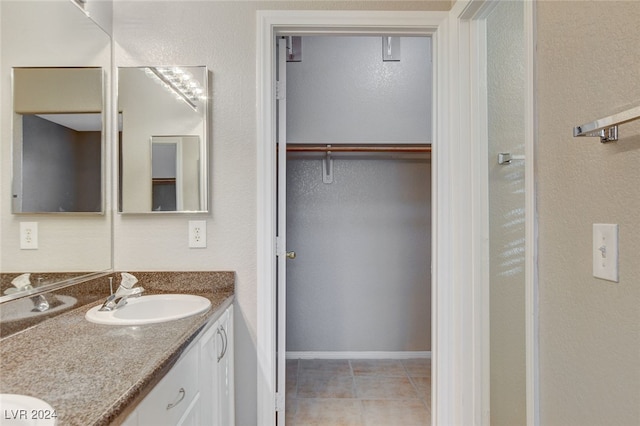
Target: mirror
[[163, 139], [52, 38], [57, 132]]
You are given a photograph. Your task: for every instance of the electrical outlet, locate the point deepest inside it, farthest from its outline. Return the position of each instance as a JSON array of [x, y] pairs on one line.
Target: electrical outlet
[[28, 235], [197, 234]]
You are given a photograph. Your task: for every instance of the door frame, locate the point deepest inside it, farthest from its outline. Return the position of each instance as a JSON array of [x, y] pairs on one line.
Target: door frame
[[473, 25], [460, 327]]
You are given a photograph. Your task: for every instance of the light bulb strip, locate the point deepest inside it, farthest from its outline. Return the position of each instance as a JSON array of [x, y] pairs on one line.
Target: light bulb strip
[[173, 87]]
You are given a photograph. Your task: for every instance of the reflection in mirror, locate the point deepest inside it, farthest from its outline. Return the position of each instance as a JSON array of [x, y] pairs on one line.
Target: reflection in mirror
[[175, 165], [167, 106], [57, 133], [71, 248]]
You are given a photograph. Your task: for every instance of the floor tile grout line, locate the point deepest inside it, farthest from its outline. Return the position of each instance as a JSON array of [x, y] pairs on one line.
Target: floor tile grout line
[[354, 387], [415, 388], [295, 396], [358, 400], [297, 379]]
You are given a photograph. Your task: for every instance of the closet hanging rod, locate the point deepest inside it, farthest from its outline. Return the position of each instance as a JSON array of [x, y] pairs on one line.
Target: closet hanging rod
[[607, 128], [357, 148]]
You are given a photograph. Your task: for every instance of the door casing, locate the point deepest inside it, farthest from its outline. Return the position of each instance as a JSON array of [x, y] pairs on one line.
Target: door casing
[[460, 325]]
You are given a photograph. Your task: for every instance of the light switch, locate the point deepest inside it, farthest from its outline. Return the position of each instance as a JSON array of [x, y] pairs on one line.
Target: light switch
[[605, 251]]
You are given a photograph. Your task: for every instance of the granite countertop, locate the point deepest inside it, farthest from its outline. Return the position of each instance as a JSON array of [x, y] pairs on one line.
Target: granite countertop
[[93, 374]]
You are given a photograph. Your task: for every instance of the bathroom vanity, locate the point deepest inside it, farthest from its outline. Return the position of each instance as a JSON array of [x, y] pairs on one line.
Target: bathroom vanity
[[177, 372], [198, 390]]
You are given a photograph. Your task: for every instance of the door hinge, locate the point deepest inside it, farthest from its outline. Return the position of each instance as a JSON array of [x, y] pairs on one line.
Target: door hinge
[[279, 401], [281, 90]]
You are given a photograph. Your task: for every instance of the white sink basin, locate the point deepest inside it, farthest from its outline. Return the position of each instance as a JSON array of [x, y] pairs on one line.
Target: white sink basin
[[151, 309], [23, 410]]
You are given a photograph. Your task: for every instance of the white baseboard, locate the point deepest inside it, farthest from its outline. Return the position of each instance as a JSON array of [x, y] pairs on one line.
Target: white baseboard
[[359, 355]]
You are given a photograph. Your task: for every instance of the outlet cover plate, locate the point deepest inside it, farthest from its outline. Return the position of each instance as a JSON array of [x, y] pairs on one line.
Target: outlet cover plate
[[605, 251], [28, 235], [197, 234]]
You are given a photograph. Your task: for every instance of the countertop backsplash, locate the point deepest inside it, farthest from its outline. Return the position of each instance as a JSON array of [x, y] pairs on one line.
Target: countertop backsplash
[[18, 315]]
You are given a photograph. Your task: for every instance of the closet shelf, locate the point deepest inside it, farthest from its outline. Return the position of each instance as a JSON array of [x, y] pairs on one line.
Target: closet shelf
[[359, 148]]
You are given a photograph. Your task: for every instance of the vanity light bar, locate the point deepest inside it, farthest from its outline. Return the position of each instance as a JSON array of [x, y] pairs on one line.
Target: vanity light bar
[[181, 83], [81, 4]]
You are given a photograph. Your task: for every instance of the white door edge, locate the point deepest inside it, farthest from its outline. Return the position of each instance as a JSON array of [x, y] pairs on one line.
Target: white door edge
[[281, 239]]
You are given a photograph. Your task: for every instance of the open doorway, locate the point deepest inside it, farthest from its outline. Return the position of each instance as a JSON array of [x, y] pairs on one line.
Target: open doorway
[[459, 297], [358, 210]]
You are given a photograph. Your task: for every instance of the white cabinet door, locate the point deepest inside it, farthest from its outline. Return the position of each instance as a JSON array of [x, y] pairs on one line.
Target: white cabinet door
[[225, 372], [192, 416], [131, 420], [208, 375], [173, 400], [217, 372], [198, 391]]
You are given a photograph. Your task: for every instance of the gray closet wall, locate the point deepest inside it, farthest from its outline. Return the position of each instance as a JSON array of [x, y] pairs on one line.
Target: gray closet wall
[[361, 279]]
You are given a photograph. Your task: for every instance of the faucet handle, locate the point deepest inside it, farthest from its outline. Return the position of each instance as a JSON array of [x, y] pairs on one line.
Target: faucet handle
[[128, 280], [22, 282]]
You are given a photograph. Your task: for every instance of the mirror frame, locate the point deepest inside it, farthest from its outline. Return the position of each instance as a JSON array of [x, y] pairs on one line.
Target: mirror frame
[[205, 144], [103, 143]]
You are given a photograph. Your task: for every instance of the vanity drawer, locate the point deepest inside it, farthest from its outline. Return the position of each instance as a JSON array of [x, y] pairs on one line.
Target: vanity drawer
[[175, 398]]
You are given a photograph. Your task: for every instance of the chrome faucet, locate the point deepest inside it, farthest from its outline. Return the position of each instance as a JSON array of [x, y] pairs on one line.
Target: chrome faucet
[[124, 291]]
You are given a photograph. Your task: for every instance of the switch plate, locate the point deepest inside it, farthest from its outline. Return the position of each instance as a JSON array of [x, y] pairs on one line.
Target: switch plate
[[605, 251], [28, 235], [197, 234]]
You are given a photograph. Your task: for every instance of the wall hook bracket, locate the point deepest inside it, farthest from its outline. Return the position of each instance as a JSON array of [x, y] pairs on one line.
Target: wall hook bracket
[[294, 49], [607, 128], [506, 158], [390, 48], [327, 167], [610, 134]]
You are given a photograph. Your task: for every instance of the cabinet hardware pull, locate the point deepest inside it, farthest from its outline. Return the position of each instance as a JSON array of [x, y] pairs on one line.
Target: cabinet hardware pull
[[222, 340], [181, 394], [226, 341]]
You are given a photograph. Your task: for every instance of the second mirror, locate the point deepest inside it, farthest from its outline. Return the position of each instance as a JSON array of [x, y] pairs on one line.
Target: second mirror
[[162, 120]]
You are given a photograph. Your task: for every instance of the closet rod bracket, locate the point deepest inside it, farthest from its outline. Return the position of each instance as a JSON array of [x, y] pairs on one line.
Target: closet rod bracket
[[327, 167]]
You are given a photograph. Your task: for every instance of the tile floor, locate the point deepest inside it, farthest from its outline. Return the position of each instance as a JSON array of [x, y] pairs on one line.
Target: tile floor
[[334, 392]]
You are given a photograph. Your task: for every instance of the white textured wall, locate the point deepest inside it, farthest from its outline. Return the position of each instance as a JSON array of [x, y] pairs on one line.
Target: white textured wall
[[49, 34], [506, 101], [220, 35], [588, 62]]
